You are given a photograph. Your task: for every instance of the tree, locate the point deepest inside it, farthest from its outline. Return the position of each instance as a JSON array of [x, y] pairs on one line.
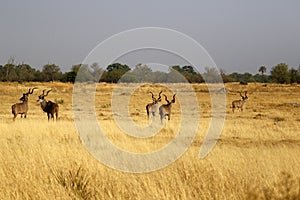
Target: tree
[[226, 78], [212, 75], [1, 73], [294, 75], [247, 77], [9, 73], [262, 70], [188, 69], [141, 73], [280, 74], [260, 78], [117, 66], [187, 72], [159, 77], [84, 73], [69, 77], [51, 72], [177, 68], [175, 76], [75, 68], [25, 72], [298, 81], [114, 72]]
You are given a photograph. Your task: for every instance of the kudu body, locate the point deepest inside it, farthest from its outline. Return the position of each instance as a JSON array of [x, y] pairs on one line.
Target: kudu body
[[49, 107], [238, 104], [21, 108], [152, 108], [165, 109]]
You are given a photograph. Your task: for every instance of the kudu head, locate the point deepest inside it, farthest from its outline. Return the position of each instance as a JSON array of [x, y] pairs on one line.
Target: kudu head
[[24, 98], [42, 96], [155, 101], [244, 98]]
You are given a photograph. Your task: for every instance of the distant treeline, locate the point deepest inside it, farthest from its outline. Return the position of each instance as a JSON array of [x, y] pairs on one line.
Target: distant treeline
[[115, 72]]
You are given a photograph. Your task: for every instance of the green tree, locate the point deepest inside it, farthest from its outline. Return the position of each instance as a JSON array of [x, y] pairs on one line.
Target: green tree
[[177, 68], [226, 78], [298, 81], [188, 69], [114, 72], [247, 77], [69, 77], [9, 70], [280, 74], [261, 78], [51, 72], [1, 73], [235, 77], [294, 75], [38, 76], [187, 72], [262, 70], [117, 66], [25, 72]]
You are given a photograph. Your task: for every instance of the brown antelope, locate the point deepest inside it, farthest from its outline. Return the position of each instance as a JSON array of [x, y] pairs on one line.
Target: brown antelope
[[22, 108], [49, 107], [238, 104], [153, 107], [165, 109]]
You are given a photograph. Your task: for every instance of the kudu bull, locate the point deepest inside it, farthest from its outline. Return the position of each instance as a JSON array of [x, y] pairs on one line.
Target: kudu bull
[[165, 109], [49, 107], [238, 104], [21, 108], [153, 107]]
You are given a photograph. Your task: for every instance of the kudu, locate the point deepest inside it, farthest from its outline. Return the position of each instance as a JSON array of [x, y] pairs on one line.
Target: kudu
[[153, 107], [22, 108], [49, 107], [165, 109], [238, 104]]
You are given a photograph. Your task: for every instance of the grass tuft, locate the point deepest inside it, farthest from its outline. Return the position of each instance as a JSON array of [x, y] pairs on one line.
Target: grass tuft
[[76, 181]]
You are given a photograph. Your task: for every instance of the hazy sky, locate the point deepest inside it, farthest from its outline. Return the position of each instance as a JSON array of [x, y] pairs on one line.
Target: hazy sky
[[239, 35]]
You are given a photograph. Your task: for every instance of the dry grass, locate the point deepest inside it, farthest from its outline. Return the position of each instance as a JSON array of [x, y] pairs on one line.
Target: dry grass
[[256, 157]]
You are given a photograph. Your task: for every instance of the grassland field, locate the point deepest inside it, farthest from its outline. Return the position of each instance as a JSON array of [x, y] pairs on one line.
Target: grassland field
[[256, 156]]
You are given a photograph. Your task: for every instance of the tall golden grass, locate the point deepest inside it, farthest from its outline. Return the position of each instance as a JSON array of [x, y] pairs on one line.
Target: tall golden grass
[[256, 157]]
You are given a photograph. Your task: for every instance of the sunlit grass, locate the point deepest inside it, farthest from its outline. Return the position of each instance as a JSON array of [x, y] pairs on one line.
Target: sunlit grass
[[257, 155]]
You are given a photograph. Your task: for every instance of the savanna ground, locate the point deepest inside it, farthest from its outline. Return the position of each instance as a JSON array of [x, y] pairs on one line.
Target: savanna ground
[[256, 156]]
